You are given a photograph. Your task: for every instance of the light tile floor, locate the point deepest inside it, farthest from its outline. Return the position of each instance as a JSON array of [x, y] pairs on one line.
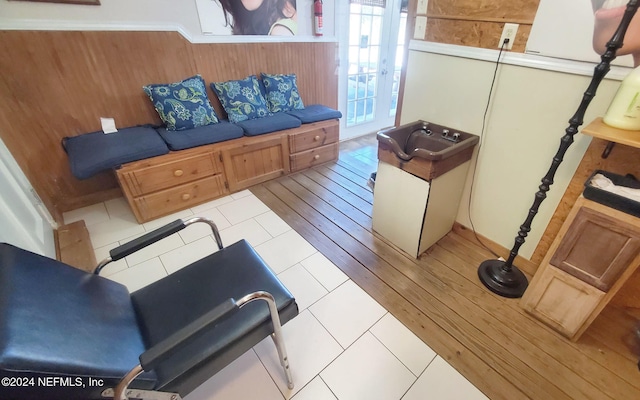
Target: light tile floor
[[343, 345]]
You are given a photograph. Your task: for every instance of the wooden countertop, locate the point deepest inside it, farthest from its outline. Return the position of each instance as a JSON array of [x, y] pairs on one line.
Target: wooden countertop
[[597, 128]]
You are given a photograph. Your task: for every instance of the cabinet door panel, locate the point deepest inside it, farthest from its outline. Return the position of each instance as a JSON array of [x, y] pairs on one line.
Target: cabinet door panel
[[257, 162], [561, 301], [597, 248]]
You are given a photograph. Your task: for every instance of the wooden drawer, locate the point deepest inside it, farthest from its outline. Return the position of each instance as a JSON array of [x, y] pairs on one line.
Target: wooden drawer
[[178, 198], [320, 135], [141, 181], [309, 158]]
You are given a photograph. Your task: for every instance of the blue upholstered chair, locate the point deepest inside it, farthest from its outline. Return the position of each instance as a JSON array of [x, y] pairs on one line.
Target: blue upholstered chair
[[68, 334]]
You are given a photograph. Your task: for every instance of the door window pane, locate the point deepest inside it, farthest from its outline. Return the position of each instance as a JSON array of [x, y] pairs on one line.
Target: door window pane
[[365, 36], [367, 73], [397, 68]]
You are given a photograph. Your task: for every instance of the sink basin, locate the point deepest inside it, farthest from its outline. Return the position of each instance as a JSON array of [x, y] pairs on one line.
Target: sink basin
[[425, 140], [424, 149]]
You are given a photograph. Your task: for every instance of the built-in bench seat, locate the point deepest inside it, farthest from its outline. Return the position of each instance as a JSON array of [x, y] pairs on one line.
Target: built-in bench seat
[[315, 113], [204, 163], [200, 136], [272, 123], [126, 145]]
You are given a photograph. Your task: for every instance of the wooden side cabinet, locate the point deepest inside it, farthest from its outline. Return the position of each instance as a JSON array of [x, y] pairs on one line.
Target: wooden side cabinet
[[595, 252]]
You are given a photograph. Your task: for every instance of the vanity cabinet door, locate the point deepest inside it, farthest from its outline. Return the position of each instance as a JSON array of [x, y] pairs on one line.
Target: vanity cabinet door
[[561, 301], [597, 248]]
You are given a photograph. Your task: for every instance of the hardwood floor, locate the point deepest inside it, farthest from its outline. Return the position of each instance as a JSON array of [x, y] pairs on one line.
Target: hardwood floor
[[502, 350]]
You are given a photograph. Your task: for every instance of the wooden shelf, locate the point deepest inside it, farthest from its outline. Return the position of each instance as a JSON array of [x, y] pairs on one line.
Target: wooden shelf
[[599, 129]]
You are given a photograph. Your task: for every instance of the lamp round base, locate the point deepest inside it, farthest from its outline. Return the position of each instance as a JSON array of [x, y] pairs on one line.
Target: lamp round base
[[511, 283]]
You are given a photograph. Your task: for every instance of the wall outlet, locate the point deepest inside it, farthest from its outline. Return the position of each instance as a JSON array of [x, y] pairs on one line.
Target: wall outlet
[[508, 32], [421, 28], [421, 8]]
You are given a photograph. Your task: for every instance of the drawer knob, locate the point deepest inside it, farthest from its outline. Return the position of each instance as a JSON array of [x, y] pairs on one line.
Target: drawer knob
[[178, 172], [186, 196], [316, 138], [316, 157]]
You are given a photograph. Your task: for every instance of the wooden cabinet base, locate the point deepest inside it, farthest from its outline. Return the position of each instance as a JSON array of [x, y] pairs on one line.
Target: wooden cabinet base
[[162, 185], [593, 256]]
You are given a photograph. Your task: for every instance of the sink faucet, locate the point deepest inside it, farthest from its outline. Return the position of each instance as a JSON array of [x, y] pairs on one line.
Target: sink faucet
[[455, 138]]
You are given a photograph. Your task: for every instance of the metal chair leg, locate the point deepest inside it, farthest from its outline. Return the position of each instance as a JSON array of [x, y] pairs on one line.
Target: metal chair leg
[[277, 329], [284, 360]]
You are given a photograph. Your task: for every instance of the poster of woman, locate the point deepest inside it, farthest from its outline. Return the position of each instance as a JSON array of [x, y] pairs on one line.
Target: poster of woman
[[261, 17]]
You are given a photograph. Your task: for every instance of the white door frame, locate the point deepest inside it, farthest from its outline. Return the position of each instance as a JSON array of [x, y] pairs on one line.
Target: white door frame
[[390, 28], [24, 221]]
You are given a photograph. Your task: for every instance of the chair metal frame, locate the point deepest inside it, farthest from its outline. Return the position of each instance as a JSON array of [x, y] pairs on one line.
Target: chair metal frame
[[122, 391]]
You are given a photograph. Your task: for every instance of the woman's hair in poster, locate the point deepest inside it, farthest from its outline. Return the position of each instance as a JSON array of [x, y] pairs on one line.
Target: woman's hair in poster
[[255, 21]]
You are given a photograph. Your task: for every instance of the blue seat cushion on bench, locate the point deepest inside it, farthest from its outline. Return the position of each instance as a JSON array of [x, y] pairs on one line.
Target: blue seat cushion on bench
[[95, 152], [315, 113], [272, 123], [208, 134]]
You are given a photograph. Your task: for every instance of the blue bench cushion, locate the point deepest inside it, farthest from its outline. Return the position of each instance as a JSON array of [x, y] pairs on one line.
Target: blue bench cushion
[[315, 113], [214, 133], [272, 123], [95, 152]]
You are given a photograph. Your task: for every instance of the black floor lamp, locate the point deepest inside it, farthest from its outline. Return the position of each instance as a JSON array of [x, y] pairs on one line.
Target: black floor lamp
[[502, 277]]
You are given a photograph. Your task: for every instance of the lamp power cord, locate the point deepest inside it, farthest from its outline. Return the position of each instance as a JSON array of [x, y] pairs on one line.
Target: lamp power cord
[[475, 165]]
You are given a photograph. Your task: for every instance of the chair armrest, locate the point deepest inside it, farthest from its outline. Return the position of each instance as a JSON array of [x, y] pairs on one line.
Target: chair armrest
[[150, 359], [146, 240], [169, 346], [154, 236]]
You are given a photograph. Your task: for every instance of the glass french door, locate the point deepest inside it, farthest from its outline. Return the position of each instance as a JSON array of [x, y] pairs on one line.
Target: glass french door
[[373, 50]]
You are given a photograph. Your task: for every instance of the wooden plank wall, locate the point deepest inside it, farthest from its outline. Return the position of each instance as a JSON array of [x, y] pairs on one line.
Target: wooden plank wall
[[57, 84], [475, 23], [478, 23]]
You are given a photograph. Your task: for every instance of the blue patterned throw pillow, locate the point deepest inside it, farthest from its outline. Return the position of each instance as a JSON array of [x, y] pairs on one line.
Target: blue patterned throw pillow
[[242, 99], [282, 92], [182, 105]]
